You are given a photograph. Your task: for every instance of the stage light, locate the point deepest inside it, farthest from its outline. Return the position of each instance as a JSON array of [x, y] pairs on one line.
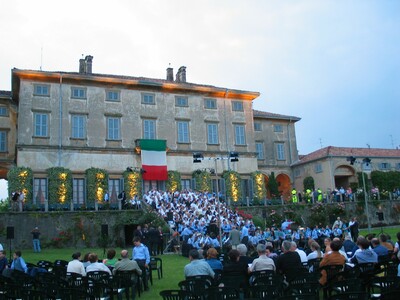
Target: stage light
[[234, 156], [197, 157], [351, 159]]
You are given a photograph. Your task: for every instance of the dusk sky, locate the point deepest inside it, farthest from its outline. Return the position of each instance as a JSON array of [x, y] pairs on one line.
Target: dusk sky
[[334, 64]]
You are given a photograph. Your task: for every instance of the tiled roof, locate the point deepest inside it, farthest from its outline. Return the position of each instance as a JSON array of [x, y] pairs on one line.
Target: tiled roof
[[268, 115], [148, 81], [5, 93], [345, 152]]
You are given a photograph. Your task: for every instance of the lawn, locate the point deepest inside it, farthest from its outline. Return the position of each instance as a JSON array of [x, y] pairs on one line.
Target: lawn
[[391, 230], [173, 265]]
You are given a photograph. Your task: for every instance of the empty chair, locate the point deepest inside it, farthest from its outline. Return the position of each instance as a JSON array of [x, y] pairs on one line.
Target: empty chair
[[313, 264], [156, 265], [48, 265], [347, 286]]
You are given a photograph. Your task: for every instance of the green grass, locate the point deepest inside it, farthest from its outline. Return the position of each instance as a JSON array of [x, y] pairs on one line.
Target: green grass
[[173, 265], [391, 230]]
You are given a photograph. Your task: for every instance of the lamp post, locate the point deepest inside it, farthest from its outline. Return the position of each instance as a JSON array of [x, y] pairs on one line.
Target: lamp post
[[365, 164], [233, 157]]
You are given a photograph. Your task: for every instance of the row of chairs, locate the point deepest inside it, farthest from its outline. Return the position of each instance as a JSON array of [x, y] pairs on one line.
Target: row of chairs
[[352, 283], [47, 285]]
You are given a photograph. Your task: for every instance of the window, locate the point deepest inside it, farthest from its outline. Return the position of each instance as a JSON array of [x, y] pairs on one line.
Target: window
[[78, 191], [398, 166], [41, 125], [384, 166], [78, 93], [237, 105], [278, 128], [113, 128], [112, 95], [257, 126], [212, 133], [297, 173], [78, 130], [3, 141], [114, 188], [41, 90], [183, 131], [318, 168], [260, 150], [39, 191], [185, 184], [280, 151], [149, 129], [181, 101], [3, 111], [148, 99], [210, 103], [240, 138]]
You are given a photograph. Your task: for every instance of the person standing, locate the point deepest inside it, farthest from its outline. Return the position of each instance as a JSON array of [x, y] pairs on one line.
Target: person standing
[[160, 246], [140, 253], [234, 237], [3, 261], [294, 196], [36, 242], [353, 224]]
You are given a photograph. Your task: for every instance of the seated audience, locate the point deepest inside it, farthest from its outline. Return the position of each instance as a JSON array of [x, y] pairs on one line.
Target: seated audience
[[126, 264], [378, 248], [331, 258], [18, 262], [263, 262], [197, 266], [302, 254], [75, 265], [316, 251], [111, 259], [212, 260], [95, 265], [289, 262], [384, 241], [3, 261], [364, 254]]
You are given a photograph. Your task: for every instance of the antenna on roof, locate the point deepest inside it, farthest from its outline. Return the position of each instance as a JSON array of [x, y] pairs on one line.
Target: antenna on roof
[[41, 58], [391, 138], [369, 146], [320, 142]]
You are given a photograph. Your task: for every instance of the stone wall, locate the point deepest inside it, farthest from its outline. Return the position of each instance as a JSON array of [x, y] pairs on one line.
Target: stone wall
[[67, 229]]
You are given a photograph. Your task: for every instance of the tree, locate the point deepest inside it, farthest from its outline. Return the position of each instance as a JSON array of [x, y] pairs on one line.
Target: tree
[[273, 186], [308, 183]]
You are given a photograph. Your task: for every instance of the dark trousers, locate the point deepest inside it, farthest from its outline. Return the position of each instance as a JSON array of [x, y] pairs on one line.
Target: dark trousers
[[141, 263]]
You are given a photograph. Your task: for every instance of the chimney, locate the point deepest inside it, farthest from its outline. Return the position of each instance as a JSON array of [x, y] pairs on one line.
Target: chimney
[[181, 75], [170, 74], [88, 60], [82, 66]]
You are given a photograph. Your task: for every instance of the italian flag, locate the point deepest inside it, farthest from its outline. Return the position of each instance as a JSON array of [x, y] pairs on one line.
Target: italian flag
[[154, 159]]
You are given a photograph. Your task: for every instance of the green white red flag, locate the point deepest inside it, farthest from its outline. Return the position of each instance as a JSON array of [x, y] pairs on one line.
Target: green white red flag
[[154, 159]]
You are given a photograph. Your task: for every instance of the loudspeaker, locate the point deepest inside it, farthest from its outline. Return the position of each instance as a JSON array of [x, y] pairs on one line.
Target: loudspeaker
[[104, 230], [10, 232], [170, 216], [380, 216]]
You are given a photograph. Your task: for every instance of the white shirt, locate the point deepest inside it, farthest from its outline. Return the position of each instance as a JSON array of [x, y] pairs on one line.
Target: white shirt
[[75, 266], [96, 266], [303, 255]]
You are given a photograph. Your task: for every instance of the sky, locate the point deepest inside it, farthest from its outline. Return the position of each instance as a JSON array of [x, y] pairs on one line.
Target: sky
[[334, 64]]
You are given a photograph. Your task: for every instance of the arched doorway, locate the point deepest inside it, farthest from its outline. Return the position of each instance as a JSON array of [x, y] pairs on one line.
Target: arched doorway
[[284, 185], [343, 176]]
